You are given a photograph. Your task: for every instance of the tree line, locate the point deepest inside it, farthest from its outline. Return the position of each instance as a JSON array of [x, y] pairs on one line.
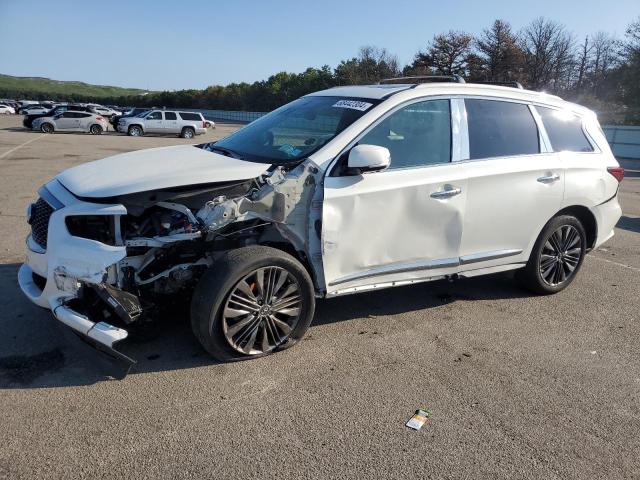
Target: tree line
[[599, 70]]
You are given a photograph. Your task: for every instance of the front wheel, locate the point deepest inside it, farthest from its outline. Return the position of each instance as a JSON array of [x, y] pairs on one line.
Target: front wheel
[[46, 128], [253, 301], [556, 257], [135, 131]]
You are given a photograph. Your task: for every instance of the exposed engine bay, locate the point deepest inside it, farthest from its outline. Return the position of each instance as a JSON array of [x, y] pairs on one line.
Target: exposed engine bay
[[173, 236]]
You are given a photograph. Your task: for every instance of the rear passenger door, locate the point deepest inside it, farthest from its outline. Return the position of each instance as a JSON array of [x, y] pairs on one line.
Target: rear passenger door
[[153, 122], [171, 122], [515, 185]]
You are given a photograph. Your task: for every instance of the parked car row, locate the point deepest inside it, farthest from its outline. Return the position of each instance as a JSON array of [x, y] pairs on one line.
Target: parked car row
[[50, 117]]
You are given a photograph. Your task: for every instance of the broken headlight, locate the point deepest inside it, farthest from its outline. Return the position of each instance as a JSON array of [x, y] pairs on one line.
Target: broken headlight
[[100, 228]]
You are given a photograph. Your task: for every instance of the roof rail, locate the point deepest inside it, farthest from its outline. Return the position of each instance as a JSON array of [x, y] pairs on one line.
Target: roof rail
[[508, 83], [423, 79]]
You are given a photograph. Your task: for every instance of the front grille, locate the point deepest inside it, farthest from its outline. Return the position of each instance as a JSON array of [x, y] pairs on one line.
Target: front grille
[[40, 213]]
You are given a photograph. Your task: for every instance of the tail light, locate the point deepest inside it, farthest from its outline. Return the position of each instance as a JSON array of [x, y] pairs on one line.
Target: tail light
[[99, 118], [204, 124], [617, 172]]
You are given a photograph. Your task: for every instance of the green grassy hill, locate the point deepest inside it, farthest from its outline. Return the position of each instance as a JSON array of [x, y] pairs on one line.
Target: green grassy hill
[[54, 89]]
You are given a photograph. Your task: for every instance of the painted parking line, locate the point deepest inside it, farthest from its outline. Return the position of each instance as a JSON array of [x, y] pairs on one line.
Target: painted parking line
[[8, 152], [615, 263]]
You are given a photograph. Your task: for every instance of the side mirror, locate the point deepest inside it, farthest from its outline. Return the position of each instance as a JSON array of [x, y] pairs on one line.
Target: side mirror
[[368, 158]]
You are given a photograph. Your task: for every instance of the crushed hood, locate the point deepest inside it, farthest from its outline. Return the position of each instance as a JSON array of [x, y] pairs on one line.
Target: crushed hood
[[153, 169]]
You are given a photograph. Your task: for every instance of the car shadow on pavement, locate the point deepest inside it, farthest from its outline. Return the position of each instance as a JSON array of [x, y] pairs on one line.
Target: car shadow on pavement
[[631, 224], [35, 352]]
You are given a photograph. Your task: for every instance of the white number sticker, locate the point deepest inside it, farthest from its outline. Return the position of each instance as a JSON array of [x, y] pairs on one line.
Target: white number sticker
[[353, 104]]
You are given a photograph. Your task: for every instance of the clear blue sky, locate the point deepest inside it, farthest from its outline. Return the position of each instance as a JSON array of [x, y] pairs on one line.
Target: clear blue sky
[[192, 44]]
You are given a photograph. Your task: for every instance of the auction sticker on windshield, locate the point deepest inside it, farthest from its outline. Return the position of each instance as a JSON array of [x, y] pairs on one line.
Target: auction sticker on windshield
[[353, 104]]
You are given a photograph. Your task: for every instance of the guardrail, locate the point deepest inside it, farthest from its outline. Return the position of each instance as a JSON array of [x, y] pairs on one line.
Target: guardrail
[[624, 140]]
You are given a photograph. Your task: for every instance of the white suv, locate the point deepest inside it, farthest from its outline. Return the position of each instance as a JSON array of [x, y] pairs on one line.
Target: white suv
[[342, 191], [186, 124]]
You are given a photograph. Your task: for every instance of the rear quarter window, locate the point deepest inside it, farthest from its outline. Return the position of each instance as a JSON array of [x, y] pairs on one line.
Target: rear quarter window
[[564, 130], [190, 116], [499, 129]]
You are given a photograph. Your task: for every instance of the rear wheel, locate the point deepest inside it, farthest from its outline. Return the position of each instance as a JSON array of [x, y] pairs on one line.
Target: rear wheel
[[253, 301], [187, 132], [95, 130], [46, 128], [135, 131], [556, 257]]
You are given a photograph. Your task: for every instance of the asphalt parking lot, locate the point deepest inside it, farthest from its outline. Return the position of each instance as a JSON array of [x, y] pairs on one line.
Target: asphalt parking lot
[[519, 386]]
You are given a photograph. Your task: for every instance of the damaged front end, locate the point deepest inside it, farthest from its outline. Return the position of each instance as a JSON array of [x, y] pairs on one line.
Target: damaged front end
[[108, 264]]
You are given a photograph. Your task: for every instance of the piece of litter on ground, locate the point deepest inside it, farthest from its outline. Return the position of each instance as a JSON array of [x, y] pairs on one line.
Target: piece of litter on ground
[[419, 419], [593, 352]]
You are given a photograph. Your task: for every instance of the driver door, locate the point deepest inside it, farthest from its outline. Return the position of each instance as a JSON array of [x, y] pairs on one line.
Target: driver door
[[403, 223], [66, 121], [153, 122]]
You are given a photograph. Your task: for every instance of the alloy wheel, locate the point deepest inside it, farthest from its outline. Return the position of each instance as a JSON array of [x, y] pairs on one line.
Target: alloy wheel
[[560, 255], [262, 310]]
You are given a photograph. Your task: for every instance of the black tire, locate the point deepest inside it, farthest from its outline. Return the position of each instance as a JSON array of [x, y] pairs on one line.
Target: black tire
[[95, 129], [187, 132], [539, 275], [46, 128], [213, 292], [135, 131]]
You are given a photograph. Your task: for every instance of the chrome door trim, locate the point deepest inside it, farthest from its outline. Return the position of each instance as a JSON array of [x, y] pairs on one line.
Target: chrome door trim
[[543, 137], [399, 268], [485, 256], [459, 130], [427, 265]]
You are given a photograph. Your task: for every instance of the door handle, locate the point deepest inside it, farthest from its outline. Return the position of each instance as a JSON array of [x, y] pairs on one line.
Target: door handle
[[549, 178], [446, 193]]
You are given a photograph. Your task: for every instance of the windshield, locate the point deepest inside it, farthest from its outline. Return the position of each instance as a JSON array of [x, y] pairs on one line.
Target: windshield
[[293, 131]]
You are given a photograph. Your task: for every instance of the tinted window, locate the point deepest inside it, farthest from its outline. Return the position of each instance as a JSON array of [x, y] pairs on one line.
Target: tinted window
[[564, 130], [499, 129], [418, 134], [170, 116], [154, 116], [189, 116], [82, 115]]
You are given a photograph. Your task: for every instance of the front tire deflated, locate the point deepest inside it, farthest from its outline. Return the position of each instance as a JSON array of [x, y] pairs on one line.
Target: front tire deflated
[[252, 301]]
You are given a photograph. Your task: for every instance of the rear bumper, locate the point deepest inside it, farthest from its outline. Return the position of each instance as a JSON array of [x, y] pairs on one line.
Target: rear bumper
[[607, 215]]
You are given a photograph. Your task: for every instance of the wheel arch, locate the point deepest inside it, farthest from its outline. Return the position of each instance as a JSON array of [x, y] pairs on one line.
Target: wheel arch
[[271, 236], [588, 220]]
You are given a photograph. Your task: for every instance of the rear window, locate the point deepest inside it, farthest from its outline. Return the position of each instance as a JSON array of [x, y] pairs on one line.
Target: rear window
[[564, 130], [500, 129], [190, 116], [170, 115]]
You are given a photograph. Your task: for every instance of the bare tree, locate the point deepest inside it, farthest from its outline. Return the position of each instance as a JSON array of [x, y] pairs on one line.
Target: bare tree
[[605, 53], [583, 62], [548, 54]]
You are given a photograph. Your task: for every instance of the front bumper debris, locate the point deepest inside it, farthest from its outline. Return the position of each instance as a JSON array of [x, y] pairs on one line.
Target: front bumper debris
[[101, 336]]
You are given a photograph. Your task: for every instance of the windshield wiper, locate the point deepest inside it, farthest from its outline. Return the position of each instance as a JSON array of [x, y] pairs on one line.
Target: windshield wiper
[[224, 151]]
